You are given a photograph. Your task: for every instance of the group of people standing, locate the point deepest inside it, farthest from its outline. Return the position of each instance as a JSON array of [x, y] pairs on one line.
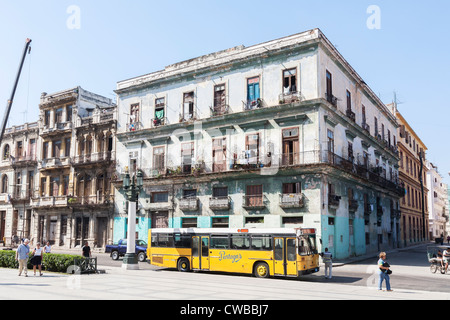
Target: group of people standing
[[23, 254]]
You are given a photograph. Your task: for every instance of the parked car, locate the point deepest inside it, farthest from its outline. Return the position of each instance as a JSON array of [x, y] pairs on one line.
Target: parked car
[[120, 249]]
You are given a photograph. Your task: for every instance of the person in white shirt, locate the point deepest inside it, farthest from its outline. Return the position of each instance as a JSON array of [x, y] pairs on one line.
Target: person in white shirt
[[48, 248], [37, 258], [446, 257], [327, 259]]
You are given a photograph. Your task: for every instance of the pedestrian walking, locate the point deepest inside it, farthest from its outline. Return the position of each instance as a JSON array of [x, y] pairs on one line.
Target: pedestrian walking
[[327, 259], [48, 248], [36, 261], [22, 257], [384, 272], [86, 250], [448, 239]]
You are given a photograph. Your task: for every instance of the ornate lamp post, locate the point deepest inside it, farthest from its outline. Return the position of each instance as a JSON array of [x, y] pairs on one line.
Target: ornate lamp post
[[132, 189]]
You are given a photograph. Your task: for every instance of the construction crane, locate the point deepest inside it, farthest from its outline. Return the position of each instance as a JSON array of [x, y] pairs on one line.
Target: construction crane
[[26, 50]]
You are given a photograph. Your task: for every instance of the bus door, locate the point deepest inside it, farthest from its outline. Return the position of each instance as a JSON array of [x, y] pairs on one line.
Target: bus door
[[285, 257], [200, 253]]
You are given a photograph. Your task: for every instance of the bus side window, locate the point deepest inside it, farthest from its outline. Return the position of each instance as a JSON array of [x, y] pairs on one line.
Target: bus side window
[[154, 240], [262, 243], [239, 242], [219, 242], [181, 241], [165, 241]]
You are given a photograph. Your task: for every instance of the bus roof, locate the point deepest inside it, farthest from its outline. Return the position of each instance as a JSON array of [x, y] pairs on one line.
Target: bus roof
[[290, 231]]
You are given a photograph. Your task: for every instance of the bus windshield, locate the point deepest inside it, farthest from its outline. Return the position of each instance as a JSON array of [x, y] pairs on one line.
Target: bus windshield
[[307, 245]]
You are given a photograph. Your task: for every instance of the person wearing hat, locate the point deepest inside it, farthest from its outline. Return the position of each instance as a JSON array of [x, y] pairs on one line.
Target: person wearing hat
[[22, 257]]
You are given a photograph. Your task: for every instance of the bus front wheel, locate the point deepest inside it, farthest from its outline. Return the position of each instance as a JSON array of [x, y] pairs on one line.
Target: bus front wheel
[[261, 270], [183, 265]]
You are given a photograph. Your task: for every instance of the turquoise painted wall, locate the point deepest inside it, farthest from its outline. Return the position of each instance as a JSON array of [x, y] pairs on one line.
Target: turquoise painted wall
[[120, 228], [340, 248]]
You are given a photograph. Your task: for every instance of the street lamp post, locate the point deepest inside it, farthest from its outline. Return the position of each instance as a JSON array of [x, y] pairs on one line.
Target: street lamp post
[[132, 189]]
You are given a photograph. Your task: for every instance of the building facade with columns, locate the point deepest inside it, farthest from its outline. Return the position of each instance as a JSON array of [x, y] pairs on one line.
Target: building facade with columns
[[18, 171], [279, 134], [73, 200], [56, 173]]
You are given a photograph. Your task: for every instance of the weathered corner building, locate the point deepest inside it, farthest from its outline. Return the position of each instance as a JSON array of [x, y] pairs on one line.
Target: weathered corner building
[[18, 170], [57, 172], [280, 134]]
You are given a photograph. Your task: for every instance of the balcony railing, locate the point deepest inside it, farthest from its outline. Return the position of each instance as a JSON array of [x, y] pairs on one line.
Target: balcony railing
[[273, 162], [188, 203], [291, 200], [331, 99], [159, 122], [219, 110], [289, 97], [92, 158], [91, 200], [352, 205], [252, 104], [351, 115], [366, 127], [50, 201], [254, 202], [333, 200], [219, 203]]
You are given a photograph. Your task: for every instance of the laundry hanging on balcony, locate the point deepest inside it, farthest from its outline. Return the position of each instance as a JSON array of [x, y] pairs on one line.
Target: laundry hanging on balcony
[[159, 114]]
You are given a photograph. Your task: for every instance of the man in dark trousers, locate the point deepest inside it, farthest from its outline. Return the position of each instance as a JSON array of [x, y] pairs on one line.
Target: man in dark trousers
[[86, 250]]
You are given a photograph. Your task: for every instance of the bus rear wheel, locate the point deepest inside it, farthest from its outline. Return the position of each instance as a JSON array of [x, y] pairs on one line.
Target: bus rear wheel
[[183, 265], [261, 270]]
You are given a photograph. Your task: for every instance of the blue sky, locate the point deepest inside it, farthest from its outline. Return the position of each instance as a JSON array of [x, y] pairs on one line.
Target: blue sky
[[118, 40]]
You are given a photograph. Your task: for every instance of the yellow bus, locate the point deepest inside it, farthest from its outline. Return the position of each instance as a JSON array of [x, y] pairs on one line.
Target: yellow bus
[[261, 252]]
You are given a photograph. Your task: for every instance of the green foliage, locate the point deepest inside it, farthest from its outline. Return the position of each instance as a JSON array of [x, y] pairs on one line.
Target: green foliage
[[50, 262]]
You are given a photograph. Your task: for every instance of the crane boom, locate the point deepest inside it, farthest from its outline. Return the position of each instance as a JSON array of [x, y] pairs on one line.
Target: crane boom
[[13, 93]]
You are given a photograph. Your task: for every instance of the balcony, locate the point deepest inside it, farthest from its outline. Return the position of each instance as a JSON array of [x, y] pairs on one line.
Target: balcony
[[48, 202], [93, 200], [291, 200], [252, 104], [26, 161], [289, 97], [219, 203], [366, 127], [92, 158], [396, 214], [331, 99], [351, 115], [254, 202], [159, 122], [333, 201], [188, 203], [54, 163], [57, 128], [353, 205], [159, 206], [219, 110]]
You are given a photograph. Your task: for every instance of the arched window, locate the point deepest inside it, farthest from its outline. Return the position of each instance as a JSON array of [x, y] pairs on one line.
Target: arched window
[[4, 184], [6, 152]]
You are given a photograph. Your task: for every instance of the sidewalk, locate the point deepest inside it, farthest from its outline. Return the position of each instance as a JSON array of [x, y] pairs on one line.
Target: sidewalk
[[372, 256], [117, 283]]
